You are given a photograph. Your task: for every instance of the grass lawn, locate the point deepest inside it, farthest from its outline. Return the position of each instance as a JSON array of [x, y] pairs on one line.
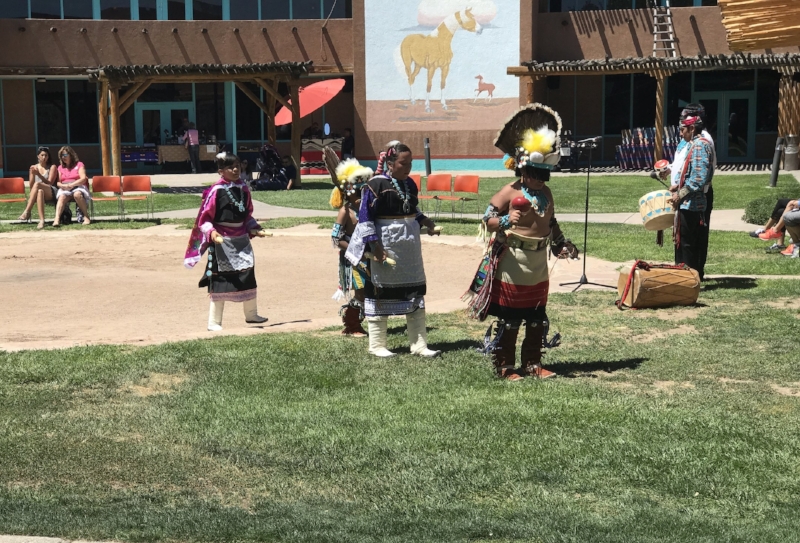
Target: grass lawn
[[665, 426], [608, 193], [733, 253], [161, 202]]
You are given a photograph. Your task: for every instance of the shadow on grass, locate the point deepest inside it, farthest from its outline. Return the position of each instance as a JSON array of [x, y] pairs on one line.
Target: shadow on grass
[[581, 369], [733, 283], [460, 345]]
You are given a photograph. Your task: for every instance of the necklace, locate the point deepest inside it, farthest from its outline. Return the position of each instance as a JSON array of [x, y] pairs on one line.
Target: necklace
[[537, 199], [403, 193], [238, 203]]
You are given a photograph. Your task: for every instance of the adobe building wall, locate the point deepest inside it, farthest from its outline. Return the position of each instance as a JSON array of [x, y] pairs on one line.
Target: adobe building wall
[[69, 48]]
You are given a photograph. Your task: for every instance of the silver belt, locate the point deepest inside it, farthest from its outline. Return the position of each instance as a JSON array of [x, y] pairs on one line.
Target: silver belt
[[517, 243]]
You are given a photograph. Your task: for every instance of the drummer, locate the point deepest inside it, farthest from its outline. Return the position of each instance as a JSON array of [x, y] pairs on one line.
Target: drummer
[[691, 229]]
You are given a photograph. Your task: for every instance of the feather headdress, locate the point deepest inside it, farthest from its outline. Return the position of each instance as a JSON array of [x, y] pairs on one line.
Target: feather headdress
[[350, 177], [531, 137]]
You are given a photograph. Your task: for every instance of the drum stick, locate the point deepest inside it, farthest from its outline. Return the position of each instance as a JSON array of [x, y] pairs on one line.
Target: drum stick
[[370, 256], [436, 229]]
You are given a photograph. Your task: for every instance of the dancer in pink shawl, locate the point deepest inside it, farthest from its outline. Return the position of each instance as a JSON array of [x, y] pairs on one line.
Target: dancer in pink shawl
[[224, 226]]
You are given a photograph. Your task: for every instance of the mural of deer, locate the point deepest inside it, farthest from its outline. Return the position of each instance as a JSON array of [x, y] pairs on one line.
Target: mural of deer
[[434, 52], [488, 87]]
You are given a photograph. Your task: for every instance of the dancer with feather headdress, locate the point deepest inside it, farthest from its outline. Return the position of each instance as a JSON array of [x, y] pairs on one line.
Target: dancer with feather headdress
[[348, 177], [512, 282]]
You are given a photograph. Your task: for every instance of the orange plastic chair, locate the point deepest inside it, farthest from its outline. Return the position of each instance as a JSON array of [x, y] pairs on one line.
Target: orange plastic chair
[[467, 184], [137, 183], [417, 178], [438, 182], [107, 183], [12, 185]]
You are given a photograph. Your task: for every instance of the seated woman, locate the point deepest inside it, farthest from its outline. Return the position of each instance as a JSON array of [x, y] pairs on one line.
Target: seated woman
[[42, 184], [72, 184]]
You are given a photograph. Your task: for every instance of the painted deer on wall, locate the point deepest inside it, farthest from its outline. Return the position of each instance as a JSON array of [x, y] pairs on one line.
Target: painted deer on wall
[[488, 87], [434, 52]]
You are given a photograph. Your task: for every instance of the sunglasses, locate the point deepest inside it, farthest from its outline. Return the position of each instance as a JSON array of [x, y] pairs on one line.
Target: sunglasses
[[64, 155]]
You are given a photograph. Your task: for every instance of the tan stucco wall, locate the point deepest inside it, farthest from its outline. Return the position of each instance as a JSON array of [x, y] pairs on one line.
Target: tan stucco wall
[[628, 33], [38, 47]]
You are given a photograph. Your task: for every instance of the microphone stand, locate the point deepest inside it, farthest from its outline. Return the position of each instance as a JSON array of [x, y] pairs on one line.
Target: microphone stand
[[590, 144]]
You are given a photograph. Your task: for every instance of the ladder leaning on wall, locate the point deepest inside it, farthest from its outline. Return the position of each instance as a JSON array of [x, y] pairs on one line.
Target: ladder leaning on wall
[[663, 31]]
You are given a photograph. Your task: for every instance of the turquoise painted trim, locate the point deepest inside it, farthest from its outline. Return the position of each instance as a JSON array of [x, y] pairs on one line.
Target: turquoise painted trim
[[453, 164], [189, 10], [96, 10], [226, 10], [134, 10]]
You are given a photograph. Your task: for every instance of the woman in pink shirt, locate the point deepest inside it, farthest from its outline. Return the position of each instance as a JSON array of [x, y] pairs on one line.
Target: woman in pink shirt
[[72, 184]]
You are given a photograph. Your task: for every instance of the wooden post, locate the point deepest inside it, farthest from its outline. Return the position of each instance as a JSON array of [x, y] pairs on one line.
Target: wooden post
[[103, 115], [529, 95], [788, 106], [132, 95], [661, 91], [271, 134], [296, 144], [116, 145]]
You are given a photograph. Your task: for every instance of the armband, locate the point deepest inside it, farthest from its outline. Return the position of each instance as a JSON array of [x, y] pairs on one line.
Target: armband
[[338, 232], [683, 193], [505, 223], [491, 213]]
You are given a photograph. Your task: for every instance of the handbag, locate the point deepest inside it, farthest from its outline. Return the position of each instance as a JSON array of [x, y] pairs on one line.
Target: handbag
[[66, 216]]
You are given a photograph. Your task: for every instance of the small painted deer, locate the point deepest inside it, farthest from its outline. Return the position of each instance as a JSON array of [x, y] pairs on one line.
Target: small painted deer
[[488, 87]]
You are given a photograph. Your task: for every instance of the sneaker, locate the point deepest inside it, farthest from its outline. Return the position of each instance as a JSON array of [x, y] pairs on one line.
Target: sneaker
[[776, 247], [795, 252], [770, 234], [755, 233], [789, 250]]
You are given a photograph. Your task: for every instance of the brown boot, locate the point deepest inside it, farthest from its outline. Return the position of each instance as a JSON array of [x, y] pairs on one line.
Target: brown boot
[[505, 356], [532, 352], [351, 318]]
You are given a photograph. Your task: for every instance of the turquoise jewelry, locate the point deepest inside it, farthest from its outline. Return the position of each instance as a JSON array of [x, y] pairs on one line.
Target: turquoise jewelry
[[403, 196], [238, 203], [537, 199]]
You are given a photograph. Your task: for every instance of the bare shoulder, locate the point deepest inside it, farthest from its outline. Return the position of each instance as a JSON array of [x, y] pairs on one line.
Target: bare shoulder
[[343, 215], [503, 197]]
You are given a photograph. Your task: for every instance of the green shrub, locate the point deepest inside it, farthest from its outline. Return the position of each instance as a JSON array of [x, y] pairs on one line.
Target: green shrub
[[758, 211]]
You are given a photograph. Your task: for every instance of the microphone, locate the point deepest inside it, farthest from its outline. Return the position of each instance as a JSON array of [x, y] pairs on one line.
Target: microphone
[[591, 140]]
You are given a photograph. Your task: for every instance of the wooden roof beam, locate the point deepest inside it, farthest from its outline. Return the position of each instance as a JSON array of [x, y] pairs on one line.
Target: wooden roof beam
[[272, 92]]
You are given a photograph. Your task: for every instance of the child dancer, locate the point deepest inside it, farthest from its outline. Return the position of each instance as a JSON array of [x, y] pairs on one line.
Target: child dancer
[[224, 226]]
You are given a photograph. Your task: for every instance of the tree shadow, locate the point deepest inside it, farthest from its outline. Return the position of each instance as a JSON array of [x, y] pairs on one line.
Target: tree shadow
[[572, 370], [459, 345], [734, 283]]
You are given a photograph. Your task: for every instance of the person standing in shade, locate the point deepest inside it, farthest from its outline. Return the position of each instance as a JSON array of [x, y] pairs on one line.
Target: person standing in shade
[[689, 199], [192, 139], [348, 145]]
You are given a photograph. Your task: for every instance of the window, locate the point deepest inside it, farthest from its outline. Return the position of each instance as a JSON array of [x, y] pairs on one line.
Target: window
[[679, 93], [210, 109], [78, 9], [115, 9], [306, 9], [148, 10], [82, 99], [176, 10], [342, 10], [167, 92], [13, 10], [51, 112], [45, 9], [127, 126], [617, 103], [275, 9], [208, 10], [644, 101], [724, 80], [767, 101], [248, 115], [244, 10]]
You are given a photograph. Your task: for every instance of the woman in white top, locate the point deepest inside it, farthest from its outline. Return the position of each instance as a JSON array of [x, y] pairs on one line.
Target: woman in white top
[[42, 184]]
